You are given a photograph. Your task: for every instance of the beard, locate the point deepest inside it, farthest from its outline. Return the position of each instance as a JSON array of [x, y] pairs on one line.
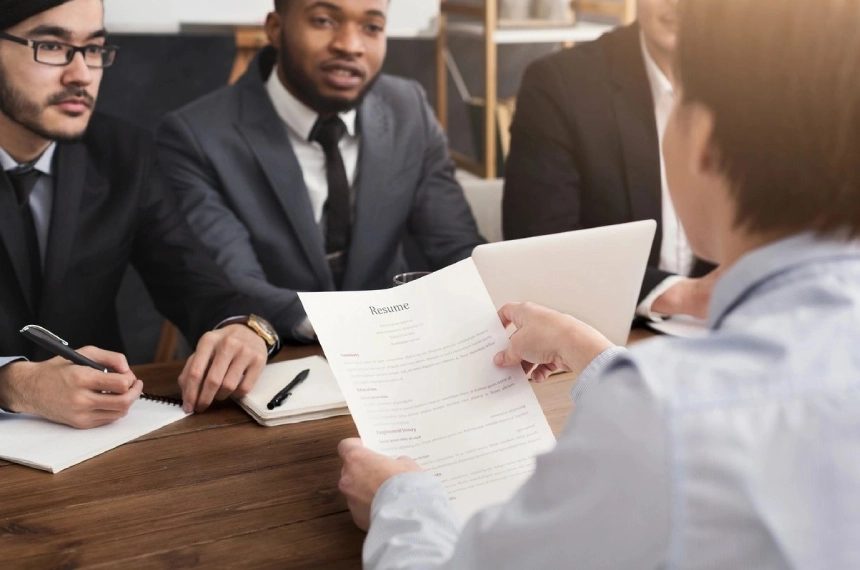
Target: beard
[[22, 110], [307, 93]]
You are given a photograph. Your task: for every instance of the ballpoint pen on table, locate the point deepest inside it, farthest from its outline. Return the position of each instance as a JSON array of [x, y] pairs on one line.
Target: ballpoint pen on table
[[285, 393]]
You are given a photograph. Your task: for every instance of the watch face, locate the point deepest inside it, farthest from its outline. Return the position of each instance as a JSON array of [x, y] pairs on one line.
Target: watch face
[[264, 328]]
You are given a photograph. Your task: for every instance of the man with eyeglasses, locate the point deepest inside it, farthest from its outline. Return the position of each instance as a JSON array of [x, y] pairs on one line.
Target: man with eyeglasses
[[80, 198]]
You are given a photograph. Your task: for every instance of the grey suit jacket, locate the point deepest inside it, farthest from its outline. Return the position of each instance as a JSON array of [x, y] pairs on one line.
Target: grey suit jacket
[[239, 183]]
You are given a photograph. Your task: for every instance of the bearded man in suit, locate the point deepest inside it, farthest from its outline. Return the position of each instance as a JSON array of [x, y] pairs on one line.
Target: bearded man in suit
[[80, 199], [309, 172]]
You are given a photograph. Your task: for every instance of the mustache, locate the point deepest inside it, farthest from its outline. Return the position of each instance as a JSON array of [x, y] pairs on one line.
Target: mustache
[[72, 93], [345, 63]]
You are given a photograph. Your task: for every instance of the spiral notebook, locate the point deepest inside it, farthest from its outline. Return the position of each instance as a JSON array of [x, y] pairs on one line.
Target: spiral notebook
[[39, 443], [316, 398]]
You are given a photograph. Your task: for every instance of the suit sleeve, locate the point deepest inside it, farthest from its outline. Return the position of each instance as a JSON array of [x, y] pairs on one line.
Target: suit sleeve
[[653, 278], [543, 182], [441, 221], [227, 239], [184, 281]]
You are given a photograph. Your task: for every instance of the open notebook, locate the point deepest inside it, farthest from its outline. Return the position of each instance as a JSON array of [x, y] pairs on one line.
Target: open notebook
[[317, 397], [36, 442]]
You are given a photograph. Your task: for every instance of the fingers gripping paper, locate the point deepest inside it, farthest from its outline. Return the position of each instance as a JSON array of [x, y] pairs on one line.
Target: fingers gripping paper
[[415, 364]]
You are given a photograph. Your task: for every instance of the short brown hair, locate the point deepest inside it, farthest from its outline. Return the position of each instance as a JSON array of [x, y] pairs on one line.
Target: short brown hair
[[782, 78]]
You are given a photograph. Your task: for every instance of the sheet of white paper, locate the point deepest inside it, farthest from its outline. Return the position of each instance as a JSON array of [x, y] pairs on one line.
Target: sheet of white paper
[[415, 364], [38, 443], [681, 325]]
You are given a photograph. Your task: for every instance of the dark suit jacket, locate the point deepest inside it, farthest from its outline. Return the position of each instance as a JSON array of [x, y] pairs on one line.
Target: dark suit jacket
[[240, 184], [111, 207], [584, 145]]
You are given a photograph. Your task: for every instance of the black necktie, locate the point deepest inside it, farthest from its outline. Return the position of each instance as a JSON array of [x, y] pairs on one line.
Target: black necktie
[[328, 133], [23, 180]]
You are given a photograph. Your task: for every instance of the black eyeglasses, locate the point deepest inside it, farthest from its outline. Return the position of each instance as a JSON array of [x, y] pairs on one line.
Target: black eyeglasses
[[59, 54]]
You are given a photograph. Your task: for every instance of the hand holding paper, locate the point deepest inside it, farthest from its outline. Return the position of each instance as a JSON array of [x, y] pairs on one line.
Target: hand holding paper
[[547, 341], [415, 364], [364, 472]]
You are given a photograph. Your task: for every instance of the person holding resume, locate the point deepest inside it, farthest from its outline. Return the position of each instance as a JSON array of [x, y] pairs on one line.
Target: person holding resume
[[735, 450]]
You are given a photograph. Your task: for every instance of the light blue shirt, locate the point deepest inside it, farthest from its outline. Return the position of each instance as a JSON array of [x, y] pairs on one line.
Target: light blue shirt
[[41, 205], [737, 450]]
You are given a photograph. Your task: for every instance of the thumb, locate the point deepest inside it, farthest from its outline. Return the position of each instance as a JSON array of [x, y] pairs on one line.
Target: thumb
[[348, 444], [506, 358]]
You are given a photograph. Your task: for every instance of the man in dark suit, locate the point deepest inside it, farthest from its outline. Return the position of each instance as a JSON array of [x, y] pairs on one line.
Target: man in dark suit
[[307, 174], [585, 152], [80, 198]]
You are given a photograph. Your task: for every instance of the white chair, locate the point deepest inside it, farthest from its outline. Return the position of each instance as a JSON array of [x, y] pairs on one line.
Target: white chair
[[485, 199]]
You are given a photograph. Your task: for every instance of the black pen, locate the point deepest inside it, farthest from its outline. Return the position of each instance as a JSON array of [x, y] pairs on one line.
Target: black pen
[[55, 345], [285, 393]]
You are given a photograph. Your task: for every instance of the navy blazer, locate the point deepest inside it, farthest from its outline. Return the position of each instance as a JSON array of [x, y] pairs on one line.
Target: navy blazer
[[239, 183], [584, 146], [111, 208]]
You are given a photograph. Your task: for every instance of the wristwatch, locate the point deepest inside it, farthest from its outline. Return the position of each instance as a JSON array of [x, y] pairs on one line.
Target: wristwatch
[[262, 327]]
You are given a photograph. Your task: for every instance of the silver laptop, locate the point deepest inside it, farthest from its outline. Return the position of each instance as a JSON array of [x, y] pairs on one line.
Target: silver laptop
[[594, 275]]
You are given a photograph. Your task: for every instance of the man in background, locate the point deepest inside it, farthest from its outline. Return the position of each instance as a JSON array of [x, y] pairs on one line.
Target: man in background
[[585, 152], [80, 199], [307, 174]]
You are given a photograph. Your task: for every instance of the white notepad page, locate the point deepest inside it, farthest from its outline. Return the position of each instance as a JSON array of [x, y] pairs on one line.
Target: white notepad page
[[39, 443], [318, 397]]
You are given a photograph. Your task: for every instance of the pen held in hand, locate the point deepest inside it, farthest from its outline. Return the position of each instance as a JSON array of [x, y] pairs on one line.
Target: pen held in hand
[[55, 345], [281, 396]]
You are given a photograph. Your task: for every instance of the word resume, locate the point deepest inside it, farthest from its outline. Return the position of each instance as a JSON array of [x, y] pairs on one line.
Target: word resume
[[415, 364]]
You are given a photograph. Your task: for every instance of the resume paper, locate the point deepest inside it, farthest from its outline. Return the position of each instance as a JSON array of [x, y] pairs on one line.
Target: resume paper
[[415, 364]]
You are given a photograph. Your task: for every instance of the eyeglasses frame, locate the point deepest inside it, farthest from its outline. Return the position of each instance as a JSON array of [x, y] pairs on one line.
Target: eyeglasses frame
[[35, 44]]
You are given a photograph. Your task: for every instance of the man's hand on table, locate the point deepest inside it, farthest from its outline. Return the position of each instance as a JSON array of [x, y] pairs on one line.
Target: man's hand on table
[[228, 361], [66, 393]]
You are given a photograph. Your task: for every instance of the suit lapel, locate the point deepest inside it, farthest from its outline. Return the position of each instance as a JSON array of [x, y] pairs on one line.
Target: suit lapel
[[637, 125], [267, 137], [71, 164], [371, 187], [11, 233]]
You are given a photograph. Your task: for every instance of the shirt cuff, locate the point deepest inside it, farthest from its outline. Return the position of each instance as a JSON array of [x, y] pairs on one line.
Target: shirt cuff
[[4, 360], [406, 494], [644, 308], [408, 483], [592, 374], [412, 524], [305, 332]]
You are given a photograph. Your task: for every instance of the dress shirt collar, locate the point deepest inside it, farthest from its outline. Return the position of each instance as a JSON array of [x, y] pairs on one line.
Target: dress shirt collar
[[299, 117], [764, 263], [660, 85], [44, 164]]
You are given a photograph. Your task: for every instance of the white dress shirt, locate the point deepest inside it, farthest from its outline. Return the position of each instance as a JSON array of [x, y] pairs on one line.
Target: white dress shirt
[[675, 253], [300, 120], [740, 449]]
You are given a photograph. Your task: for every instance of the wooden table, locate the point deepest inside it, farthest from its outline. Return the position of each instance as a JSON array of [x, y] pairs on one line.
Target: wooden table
[[212, 491]]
